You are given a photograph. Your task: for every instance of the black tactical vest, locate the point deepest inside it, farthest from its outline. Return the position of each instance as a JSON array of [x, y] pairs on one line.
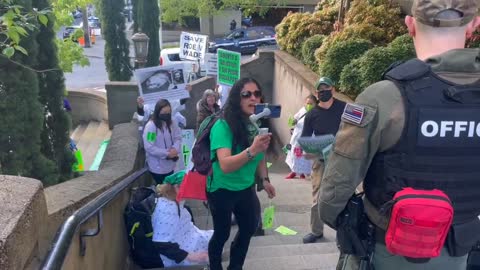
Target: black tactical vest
[[440, 144]]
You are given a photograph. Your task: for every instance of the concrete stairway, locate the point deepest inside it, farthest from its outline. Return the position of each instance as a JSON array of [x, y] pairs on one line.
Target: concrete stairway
[[88, 137], [276, 251]]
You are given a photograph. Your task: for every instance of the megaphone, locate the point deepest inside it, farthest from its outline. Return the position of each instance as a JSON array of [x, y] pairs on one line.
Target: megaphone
[[255, 117]]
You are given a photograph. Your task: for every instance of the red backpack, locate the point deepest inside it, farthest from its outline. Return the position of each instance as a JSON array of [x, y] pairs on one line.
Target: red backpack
[[419, 223]]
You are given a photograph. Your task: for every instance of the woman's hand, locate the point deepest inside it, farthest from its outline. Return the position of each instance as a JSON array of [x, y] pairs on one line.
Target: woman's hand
[[269, 188], [197, 257], [260, 144], [172, 153]]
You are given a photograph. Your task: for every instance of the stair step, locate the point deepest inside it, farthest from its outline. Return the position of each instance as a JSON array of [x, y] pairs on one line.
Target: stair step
[[304, 262], [77, 133], [258, 252]]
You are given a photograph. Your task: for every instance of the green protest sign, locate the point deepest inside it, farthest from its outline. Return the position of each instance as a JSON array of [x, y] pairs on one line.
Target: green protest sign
[[78, 165], [228, 67], [268, 215]]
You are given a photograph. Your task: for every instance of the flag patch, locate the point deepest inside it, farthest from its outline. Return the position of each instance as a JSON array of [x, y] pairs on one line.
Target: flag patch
[[353, 113]]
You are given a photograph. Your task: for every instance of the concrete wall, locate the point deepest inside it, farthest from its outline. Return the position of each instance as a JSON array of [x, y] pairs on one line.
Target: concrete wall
[[87, 105], [292, 83], [22, 214], [221, 22], [122, 101], [30, 215]]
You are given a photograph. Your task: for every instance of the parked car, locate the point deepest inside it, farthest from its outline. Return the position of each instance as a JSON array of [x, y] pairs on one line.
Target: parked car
[[69, 30], [171, 56], [94, 22], [245, 41], [247, 21]]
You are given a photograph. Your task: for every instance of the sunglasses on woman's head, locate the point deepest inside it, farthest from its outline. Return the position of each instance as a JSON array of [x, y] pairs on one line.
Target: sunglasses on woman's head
[[247, 94]]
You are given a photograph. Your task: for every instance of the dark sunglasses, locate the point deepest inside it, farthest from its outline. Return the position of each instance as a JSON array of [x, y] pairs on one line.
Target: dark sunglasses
[[247, 94]]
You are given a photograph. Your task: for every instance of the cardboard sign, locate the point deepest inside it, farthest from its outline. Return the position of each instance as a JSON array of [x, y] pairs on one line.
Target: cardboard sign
[[211, 64], [192, 46], [228, 67]]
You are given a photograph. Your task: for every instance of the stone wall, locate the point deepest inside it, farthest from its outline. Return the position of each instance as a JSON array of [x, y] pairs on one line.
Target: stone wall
[[122, 101], [30, 215], [87, 105]]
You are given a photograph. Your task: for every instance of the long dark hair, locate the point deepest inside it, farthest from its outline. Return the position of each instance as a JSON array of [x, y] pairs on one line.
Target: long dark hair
[[162, 103], [235, 117]]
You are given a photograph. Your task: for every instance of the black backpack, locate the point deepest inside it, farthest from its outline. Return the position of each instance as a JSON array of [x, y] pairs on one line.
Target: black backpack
[[138, 223], [201, 158]]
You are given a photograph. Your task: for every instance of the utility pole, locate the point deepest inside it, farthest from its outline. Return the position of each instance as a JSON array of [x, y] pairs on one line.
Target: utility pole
[[86, 29]]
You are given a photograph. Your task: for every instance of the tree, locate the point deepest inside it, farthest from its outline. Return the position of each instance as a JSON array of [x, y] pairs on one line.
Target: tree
[[117, 58], [56, 126], [149, 23], [177, 10], [22, 113]]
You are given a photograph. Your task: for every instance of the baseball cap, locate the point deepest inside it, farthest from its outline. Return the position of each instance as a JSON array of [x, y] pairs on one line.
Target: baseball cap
[[324, 80], [427, 11]]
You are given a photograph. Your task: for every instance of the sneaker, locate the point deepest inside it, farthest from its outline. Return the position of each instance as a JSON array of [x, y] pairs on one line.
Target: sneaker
[[302, 176], [311, 238], [291, 175]]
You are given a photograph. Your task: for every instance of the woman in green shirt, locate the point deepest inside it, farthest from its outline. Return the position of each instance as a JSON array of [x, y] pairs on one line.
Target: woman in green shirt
[[238, 152]]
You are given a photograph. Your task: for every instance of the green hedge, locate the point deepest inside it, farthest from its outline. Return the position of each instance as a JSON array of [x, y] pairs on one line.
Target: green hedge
[[308, 50], [368, 69], [340, 55]]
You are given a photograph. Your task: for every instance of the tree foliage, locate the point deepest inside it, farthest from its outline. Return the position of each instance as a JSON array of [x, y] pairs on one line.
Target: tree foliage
[[56, 125], [295, 28], [23, 114], [149, 23], [117, 59], [177, 10]]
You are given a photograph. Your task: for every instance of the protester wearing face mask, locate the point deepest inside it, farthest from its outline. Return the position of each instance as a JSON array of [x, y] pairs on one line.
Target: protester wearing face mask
[[295, 160], [323, 119], [162, 139]]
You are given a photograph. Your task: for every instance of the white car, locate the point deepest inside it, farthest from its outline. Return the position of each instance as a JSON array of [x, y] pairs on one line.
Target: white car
[[172, 56]]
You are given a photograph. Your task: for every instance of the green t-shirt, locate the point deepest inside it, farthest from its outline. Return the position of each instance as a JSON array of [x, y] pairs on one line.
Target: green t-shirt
[[221, 137]]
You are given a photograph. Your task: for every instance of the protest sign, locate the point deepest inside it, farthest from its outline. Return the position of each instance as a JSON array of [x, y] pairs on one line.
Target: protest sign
[[167, 82], [192, 46], [228, 67], [188, 138], [211, 64]]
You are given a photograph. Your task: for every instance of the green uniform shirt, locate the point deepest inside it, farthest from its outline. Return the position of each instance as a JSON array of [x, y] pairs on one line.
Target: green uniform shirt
[[221, 137], [381, 127]]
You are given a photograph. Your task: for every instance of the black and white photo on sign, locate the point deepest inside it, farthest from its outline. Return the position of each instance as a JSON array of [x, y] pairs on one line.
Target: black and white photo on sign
[[192, 46], [167, 82]]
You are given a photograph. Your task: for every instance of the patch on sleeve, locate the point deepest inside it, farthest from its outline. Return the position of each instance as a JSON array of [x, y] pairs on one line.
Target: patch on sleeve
[[353, 113]]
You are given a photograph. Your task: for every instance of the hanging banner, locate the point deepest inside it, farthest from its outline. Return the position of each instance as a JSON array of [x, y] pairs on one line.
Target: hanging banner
[[228, 67], [192, 46]]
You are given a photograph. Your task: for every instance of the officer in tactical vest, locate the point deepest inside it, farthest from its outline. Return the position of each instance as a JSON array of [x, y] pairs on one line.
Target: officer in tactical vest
[[418, 128]]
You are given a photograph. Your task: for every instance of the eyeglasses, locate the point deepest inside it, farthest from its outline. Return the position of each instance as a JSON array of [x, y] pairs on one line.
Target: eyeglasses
[[248, 94]]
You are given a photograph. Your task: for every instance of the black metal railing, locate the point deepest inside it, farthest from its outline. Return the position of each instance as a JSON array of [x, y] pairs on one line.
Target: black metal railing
[[65, 234]]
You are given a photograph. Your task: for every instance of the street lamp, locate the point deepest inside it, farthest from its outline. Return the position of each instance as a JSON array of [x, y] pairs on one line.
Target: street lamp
[[140, 42]]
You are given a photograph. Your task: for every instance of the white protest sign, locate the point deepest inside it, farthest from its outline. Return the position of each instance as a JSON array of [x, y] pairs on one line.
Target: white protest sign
[[188, 138], [192, 46], [211, 64]]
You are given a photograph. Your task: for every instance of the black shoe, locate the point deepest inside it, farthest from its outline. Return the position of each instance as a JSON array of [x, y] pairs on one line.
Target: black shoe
[[311, 238]]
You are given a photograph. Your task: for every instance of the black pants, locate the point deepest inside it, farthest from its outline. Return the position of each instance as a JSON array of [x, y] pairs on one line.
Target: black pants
[[160, 177], [244, 204]]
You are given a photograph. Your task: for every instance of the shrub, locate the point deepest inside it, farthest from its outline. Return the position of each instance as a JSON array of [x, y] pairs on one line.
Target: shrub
[[295, 28], [308, 50], [340, 55], [366, 70], [402, 48], [474, 41]]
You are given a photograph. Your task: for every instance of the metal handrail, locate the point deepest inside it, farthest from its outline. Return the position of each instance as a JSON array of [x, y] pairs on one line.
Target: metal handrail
[[64, 236]]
